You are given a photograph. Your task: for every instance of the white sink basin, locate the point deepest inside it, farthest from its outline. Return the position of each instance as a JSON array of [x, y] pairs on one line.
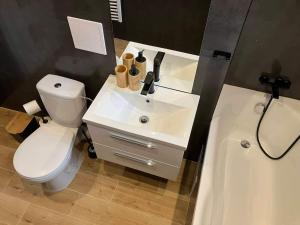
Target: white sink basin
[[170, 113]]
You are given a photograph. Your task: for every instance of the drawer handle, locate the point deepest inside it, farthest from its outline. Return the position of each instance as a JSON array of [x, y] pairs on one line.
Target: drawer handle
[[147, 162], [132, 140]]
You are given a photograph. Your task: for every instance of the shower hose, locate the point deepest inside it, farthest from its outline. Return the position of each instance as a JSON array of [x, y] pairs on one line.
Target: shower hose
[[257, 136]]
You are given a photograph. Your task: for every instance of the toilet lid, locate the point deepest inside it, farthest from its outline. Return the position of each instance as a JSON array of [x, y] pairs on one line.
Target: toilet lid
[[44, 151]]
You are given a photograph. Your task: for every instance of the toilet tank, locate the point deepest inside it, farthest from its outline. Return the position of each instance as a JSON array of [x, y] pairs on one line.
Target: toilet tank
[[62, 98]]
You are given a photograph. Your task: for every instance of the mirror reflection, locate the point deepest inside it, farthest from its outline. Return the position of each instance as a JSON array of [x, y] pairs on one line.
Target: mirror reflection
[[167, 35]]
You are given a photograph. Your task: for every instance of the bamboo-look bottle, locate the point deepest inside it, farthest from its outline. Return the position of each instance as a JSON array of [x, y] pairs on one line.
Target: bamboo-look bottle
[[134, 78]]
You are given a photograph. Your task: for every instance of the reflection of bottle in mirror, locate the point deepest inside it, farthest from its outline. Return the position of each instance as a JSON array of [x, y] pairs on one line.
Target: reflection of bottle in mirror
[[134, 78], [140, 63], [128, 60]]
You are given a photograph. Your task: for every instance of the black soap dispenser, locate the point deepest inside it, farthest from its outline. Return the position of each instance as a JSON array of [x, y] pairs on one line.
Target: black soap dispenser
[[134, 78], [140, 62]]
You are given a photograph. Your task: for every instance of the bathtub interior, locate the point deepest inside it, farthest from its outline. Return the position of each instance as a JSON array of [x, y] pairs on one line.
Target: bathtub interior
[[237, 107], [242, 186]]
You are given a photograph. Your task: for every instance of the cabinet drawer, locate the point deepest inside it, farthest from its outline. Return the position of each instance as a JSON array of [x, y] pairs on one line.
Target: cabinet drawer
[[137, 162], [136, 145]]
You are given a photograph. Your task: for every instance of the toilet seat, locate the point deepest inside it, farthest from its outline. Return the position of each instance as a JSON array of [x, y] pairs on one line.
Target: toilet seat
[[45, 153]]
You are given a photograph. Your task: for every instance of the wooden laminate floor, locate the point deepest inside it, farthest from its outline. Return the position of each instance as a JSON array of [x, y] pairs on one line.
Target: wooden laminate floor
[[101, 193], [120, 46]]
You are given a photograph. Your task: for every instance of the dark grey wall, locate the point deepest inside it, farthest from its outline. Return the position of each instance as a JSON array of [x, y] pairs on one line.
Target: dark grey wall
[[173, 24], [271, 35], [224, 24], [35, 40]]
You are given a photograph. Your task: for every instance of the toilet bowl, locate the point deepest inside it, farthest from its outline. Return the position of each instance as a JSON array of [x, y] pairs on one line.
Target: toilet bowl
[[48, 155]]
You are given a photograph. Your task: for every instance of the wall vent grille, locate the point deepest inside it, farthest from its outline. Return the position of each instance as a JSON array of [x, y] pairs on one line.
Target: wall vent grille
[[115, 10]]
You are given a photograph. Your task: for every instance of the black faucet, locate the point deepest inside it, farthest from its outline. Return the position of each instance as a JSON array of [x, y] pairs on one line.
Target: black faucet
[[276, 82], [148, 87], [156, 65]]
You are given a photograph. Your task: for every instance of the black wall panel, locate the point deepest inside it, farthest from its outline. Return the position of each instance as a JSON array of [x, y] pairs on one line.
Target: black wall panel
[[270, 38], [224, 24], [172, 24], [35, 40]]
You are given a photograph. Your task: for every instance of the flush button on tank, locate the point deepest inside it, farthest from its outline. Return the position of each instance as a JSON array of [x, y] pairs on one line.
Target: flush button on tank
[[57, 85]]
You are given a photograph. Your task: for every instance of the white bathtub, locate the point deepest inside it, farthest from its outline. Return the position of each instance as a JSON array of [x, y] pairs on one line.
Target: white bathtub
[[241, 186]]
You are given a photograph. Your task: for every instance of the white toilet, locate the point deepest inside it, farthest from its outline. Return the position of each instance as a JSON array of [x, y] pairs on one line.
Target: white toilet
[[48, 155]]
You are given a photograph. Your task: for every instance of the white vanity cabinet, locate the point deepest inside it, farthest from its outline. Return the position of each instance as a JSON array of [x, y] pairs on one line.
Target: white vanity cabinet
[[136, 152], [119, 134]]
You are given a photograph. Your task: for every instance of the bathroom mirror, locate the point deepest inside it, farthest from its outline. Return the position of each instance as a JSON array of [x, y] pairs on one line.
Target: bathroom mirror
[[174, 27]]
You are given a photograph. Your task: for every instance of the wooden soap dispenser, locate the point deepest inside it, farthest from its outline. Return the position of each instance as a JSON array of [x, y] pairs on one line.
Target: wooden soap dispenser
[[134, 78], [140, 63]]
